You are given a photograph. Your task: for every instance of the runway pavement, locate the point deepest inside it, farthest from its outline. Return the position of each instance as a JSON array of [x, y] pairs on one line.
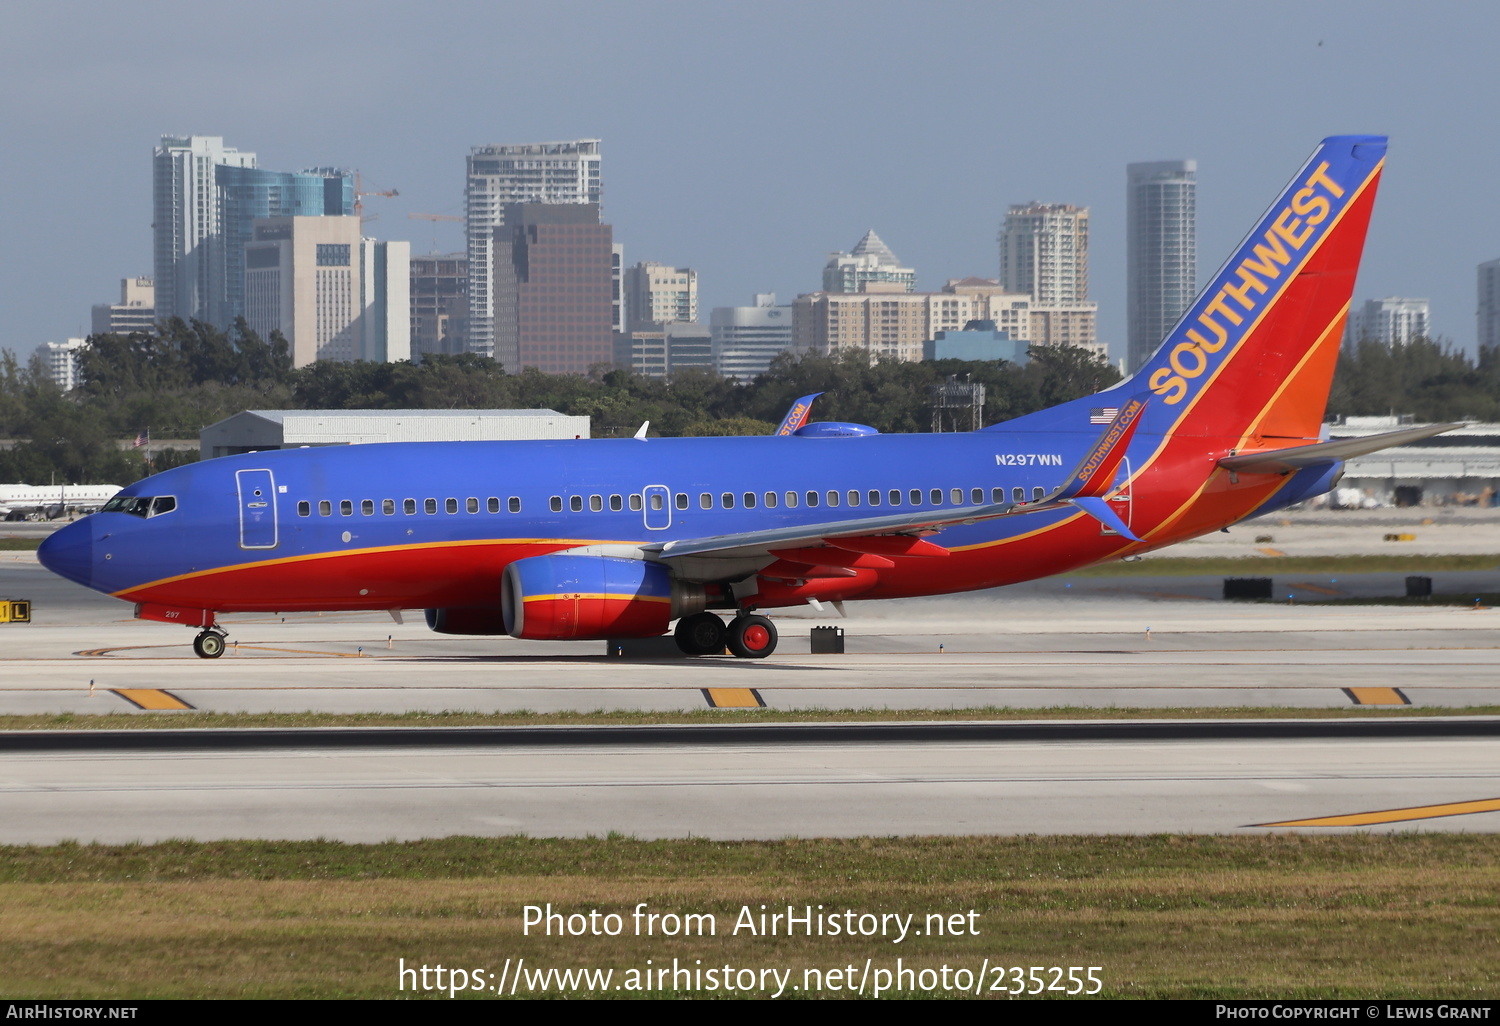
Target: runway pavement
[[779, 787]]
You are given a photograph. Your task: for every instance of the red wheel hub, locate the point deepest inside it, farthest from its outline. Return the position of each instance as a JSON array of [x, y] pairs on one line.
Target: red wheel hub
[[756, 637]]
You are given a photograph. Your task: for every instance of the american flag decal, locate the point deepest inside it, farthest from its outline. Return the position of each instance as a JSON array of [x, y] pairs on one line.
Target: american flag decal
[[1103, 415]]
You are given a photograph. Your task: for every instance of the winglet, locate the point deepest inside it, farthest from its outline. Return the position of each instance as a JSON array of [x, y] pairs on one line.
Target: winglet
[[1095, 474], [797, 416]]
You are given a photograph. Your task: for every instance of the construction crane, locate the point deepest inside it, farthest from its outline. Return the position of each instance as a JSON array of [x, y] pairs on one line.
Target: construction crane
[[360, 191]]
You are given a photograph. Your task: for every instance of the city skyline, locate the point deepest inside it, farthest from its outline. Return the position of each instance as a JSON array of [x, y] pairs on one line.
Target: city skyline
[[762, 216]]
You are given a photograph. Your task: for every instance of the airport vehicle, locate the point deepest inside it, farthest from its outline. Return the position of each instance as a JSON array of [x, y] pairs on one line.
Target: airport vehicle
[[52, 501], [618, 538]]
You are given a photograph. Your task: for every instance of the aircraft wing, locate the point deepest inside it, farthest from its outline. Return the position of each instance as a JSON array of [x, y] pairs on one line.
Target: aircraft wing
[[1282, 461]]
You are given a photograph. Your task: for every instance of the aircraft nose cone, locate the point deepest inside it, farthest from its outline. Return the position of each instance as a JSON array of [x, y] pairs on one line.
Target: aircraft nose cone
[[69, 552]]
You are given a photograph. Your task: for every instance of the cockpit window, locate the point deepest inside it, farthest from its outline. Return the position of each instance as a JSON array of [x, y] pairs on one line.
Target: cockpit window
[[141, 505]]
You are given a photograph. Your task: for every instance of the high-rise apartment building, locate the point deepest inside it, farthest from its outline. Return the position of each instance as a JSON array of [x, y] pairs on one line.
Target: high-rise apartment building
[[747, 338], [61, 360], [660, 294], [1392, 320], [185, 222], [551, 288], [1489, 304], [439, 303], [136, 310], [893, 325], [869, 267], [1044, 253], [558, 172], [331, 293], [1161, 250]]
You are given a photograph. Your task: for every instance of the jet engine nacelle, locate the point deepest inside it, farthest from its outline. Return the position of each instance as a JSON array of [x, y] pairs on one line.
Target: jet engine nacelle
[[552, 598], [466, 620]]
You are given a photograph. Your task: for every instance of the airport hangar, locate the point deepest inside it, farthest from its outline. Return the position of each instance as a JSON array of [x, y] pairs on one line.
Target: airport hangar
[[259, 430]]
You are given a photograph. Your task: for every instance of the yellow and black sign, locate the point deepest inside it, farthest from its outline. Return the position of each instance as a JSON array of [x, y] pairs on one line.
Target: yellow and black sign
[[15, 611]]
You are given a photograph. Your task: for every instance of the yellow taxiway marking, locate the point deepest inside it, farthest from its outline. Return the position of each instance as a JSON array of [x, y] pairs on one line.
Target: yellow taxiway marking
[[1270, 552], [151, 698], [1377, 696], [1395, 815], [733, 698]]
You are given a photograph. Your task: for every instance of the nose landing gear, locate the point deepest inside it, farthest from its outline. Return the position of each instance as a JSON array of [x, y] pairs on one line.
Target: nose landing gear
[[209, 644]]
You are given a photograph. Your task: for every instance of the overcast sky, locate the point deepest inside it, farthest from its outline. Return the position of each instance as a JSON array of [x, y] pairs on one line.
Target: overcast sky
[[749, 140]]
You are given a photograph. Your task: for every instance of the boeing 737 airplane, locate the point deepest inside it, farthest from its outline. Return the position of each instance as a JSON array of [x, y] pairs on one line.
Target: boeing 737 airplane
[[617, 538]]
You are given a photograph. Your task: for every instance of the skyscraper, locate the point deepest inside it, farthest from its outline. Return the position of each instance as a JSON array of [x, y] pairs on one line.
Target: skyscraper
[[660, 294], [553, 307], [332, 294], [185, 221], [557, 172], [747, 338], [1489, 304], [1161, 264], [1044, 253], [247, 194], [1394, 320], [870, 262]]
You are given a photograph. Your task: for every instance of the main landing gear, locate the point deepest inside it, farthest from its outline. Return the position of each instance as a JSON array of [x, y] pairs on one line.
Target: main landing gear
[[209, 644], [747, 636]]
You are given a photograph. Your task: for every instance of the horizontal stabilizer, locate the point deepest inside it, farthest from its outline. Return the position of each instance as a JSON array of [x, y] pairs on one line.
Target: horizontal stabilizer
[[1100, 511], [1283, 461]]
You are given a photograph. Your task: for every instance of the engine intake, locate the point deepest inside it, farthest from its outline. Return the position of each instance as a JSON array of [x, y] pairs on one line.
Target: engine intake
[[557, 597]]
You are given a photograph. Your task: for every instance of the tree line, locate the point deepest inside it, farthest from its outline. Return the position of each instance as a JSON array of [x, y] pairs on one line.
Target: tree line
[[186, 375]]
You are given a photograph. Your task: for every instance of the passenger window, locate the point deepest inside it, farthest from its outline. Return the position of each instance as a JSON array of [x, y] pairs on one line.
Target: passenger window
[[515, 504], [791, 500], [915, 495], [367, 507], [705, 500], [472, 505], [1018, 494], [555, 503], [682, 500], [749, 498], [451, 505], [596, 503], [388, 507], [409, 507], [1037, 493], [727, 500], [657, 501], [997, 495], [956, 496], [325, 508], [976, 495], [894, 496], [936, 495], [304, 509], [812, 498], [575, 503], [429, 506], [769, 499], [853, 496], [635, 502], [873, 496], [616, 503], [492, 505], [833, 497], [346, 508]]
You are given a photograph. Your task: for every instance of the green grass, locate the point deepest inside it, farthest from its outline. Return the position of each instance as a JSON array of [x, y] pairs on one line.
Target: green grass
[[1267, 566], [20, 544], [1276, 916], [200, 720]]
